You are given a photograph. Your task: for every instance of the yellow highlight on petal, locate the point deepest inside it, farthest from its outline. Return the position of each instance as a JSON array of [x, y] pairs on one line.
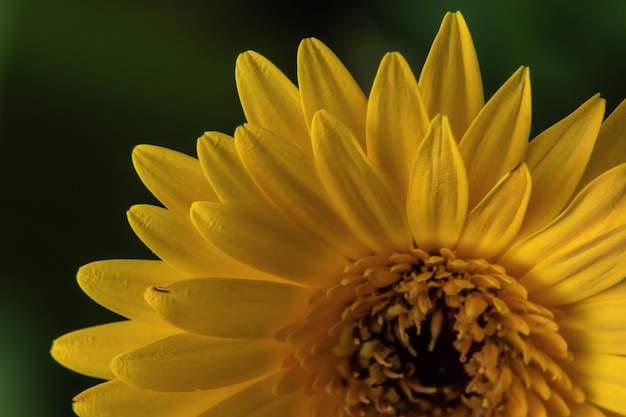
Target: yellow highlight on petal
[[270, 100], [397, 121], [200, 362], [450, 81], [226, 307], [497, 139], [438, 191], [495, 221], [325, 83]]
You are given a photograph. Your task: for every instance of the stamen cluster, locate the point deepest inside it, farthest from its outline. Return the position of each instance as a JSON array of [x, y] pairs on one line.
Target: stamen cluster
[[433, 335]]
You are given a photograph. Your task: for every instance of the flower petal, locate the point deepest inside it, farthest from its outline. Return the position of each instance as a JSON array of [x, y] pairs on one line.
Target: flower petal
[[119, 285], [597, 209], [396, 121], [596, 341], [251, 237], [188, 362], [258, 400], [610, 149], [589, 410], [289, 178], [557, 159], [174, 239], [450, 80], [115, 399], [359, 191], [90, 351], [270, 100], [591, 266], [603, 311], [495, 221], [224, 307], [325, 83], [437, 198], [174, 178], [225, 171], [496, 141], [603, 378]]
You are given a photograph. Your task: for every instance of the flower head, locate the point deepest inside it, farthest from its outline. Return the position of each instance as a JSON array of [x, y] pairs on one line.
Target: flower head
[[406, 254]]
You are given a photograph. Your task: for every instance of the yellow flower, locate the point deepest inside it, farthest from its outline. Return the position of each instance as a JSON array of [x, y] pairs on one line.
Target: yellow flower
[[407, 254]]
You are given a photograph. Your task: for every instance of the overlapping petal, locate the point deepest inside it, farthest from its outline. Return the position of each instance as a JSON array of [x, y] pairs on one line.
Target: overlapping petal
[[357, 188], [496, 141], [610, 149], [580, 270], [174, 178], [603, 378], [270, 100], [115, 398], [90, 351], [597, 209], [223, 307], [258, 399], [288, 177], [557, 159], [603, 311], [249, 236], [438, 192], [189, 362], [174, 239], [325, 83], [397, 121], [225, 171], [495, 221], [119, 285], [450, 81]]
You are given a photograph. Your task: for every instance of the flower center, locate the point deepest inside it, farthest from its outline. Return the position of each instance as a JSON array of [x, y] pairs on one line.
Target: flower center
[[417, 334]]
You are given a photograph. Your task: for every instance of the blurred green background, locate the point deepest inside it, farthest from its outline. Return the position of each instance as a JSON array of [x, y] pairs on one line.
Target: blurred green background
[[81, 83]]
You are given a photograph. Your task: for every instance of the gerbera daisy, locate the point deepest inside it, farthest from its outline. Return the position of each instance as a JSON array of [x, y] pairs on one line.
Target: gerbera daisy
[[406, 254]]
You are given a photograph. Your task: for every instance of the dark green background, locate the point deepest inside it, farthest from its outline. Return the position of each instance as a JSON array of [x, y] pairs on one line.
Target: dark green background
[[82, 82]]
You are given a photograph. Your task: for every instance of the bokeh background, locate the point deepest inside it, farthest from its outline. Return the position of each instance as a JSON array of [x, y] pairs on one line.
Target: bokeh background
[[82, 82]]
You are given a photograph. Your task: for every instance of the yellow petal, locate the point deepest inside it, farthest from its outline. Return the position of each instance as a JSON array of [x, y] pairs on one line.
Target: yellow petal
[[610, 149], [325, 83], [496, 141], [223, 307], [397, 121], [225, 171], [588, 410], [557, 159], [289, 178], [188, 362], [119, 285], [90, 351], [359, 191], [174, 239], [259, 401], [590, 266], [270, 100], [495, 221], [597, 209], [115, 399], [603, 378], [596, 341], [603, 311], [174, 178], [450, 80], [268, 243], [437, 198]]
